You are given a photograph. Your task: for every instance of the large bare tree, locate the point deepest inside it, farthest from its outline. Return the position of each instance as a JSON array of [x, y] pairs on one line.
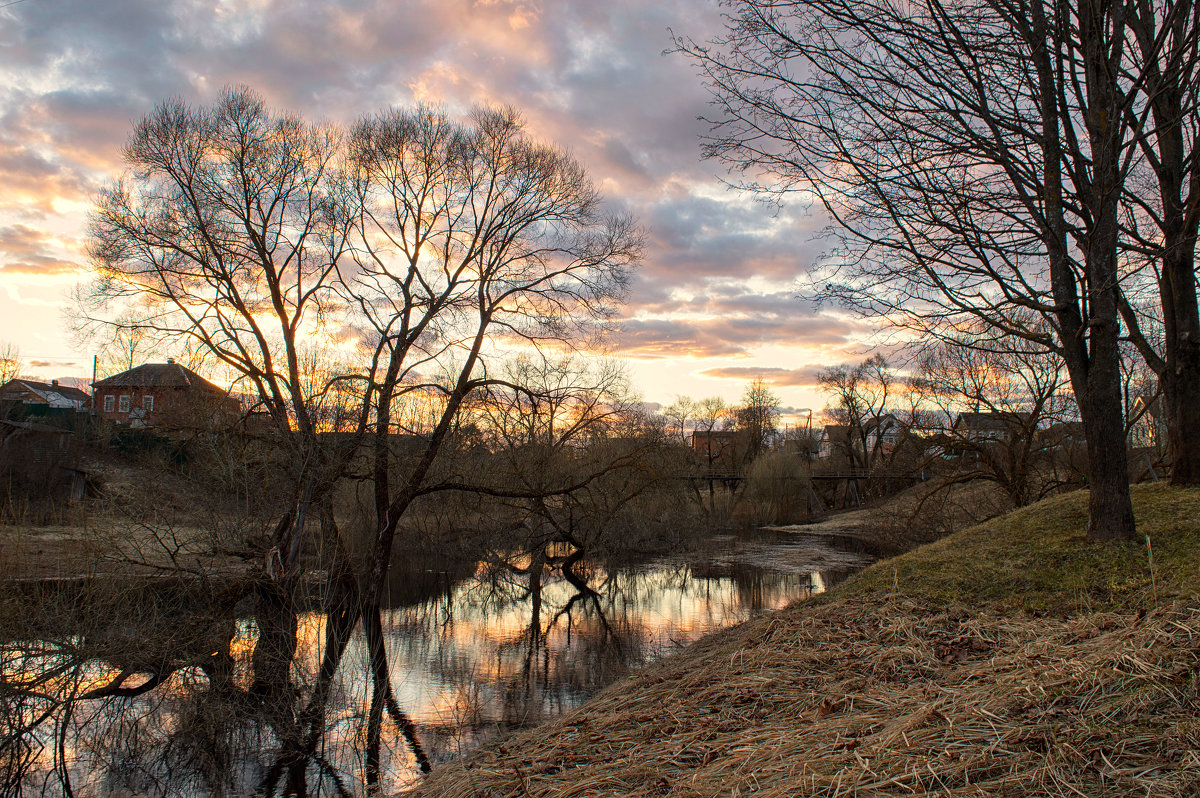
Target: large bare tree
[[468, 239], [1008, 410], [973, 157], [225, 233]]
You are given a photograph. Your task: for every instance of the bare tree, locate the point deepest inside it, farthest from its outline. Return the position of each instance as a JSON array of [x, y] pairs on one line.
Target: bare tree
[[972, 156], [10, 362], [757, 417], [120, 342], [419, 247], [225, 235], [861, 399], [711, 415], [678, 414], [1162, 220], [1002, 405], [467, 237]]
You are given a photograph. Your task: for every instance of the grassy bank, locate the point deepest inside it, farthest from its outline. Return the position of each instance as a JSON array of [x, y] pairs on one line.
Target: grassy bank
[[1013, 658]]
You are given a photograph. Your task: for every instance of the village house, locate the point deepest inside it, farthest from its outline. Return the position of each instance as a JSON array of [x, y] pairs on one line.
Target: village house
[[883, 433], [882, 436], [162, 394], [33, 393], [834, 438], [1146, 424], [982, 427], [722, 451]]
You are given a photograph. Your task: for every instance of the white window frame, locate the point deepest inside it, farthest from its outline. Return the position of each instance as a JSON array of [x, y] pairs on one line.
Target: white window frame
[[110, 403], [123, 404], [148, 404]]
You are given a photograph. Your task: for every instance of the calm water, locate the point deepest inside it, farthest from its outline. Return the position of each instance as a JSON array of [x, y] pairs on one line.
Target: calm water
[[472, 652]]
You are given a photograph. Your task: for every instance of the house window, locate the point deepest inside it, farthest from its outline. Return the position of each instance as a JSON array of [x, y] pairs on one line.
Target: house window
[[110, 403], [148, 404], [124, 404]]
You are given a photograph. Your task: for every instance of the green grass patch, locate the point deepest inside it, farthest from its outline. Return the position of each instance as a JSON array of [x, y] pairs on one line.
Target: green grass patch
[[1037, 560]]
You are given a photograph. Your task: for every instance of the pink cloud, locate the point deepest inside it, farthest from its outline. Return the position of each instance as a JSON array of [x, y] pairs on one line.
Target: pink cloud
[[28, 250], [805, 377]]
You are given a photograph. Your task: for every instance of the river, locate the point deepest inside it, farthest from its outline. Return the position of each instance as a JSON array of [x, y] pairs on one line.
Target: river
[[472, 651]]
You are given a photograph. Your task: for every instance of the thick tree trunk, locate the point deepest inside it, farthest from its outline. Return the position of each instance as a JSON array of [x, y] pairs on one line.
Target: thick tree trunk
[[1180, 381], [1110, 512]]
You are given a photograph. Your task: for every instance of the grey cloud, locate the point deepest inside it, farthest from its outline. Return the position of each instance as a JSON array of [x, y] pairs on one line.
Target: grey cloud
[[590, 76], [45, 364]]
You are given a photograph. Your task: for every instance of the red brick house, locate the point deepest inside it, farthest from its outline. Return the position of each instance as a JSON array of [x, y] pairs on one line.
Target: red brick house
[[161, 394], [723, 452]]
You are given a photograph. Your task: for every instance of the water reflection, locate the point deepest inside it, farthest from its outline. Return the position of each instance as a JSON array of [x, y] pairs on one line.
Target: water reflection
[[255, 695]]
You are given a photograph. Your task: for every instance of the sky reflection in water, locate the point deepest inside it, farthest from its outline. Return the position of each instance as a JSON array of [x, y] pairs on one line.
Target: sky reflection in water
[[471, 656]]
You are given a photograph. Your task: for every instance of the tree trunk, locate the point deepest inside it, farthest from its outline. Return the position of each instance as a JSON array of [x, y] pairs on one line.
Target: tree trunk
[[1180, 380], [1101, 39], [1110, 512]]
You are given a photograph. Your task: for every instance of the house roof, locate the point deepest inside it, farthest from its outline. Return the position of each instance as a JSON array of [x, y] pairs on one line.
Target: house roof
[[1153, 406], [158, 375], [887, 422], [46, 390], [833, 432], [998, 421]]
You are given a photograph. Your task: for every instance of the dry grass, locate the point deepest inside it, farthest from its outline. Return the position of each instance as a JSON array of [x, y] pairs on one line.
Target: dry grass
[[892, 686]]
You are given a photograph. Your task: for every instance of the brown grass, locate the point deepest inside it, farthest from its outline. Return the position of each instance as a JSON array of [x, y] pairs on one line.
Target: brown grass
[[888, 688]]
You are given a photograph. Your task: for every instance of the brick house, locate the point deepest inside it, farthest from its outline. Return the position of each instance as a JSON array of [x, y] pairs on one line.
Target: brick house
[[161, 394], [722, 451]]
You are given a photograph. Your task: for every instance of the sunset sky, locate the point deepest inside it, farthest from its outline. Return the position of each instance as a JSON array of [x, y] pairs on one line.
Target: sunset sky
[[714, 303]]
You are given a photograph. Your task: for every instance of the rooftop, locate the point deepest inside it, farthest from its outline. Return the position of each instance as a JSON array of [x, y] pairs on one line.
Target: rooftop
[[158, 375]]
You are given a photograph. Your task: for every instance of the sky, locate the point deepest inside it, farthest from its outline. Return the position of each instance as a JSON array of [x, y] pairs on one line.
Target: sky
[[714, 303]]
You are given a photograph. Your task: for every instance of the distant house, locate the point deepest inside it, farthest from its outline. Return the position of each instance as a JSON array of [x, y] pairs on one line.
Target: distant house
[[981, 427], [31, 392], [161, 394], [883, 433], [1063, 434], [834, 438], [723, 451], [1146, 423]]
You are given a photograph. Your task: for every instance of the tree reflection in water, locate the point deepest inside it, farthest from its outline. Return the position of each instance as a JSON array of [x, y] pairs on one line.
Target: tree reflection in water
[[267, 690]]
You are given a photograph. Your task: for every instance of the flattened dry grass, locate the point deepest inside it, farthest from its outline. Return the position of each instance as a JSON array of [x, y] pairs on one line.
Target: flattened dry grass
[[920, 677]]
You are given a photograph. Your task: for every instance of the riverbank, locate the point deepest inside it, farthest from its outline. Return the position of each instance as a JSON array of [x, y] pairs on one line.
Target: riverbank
[[1013, 658]]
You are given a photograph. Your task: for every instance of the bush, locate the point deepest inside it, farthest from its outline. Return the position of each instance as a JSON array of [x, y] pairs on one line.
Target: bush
[[776, 489]]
